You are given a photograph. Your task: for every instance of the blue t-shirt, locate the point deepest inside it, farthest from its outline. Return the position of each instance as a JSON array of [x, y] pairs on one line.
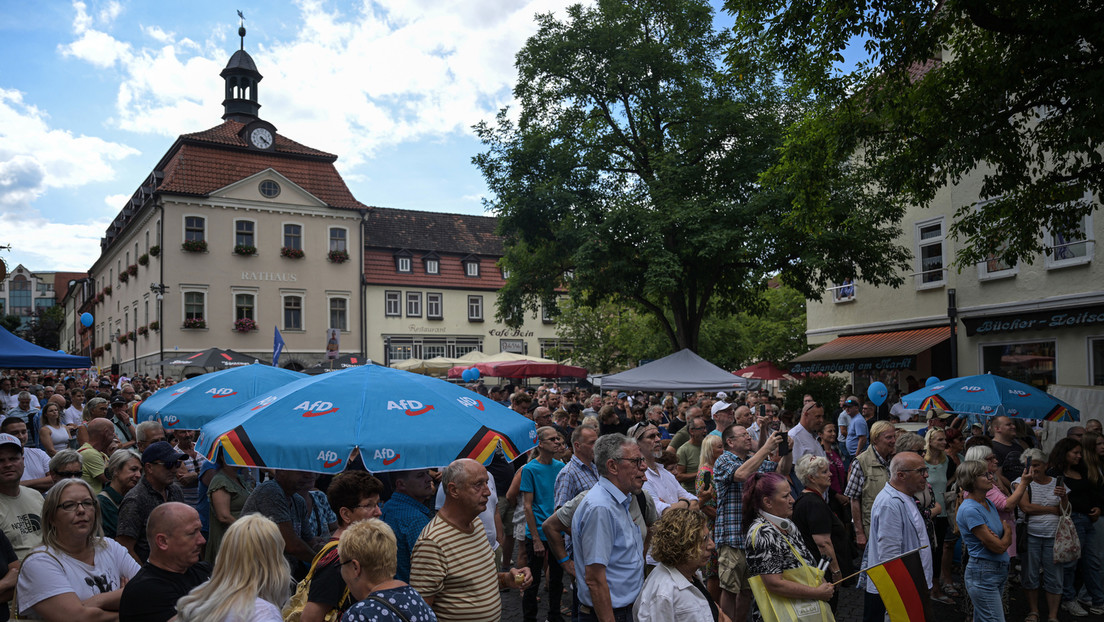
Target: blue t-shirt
[[404, 599], [540, 479], [970, 515], [856, 429]]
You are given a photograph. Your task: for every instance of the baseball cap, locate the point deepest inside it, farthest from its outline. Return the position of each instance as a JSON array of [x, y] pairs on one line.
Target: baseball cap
[[8, 439], [718, 407], [622, 395], [851, 402], [119, 401], [938, 413], [161, 451]]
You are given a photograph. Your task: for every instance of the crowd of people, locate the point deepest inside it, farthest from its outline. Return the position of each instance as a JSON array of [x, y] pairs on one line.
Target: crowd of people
[[647, 507]]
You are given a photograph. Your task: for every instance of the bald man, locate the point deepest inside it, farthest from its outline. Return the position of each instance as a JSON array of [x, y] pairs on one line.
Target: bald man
[[101, 433], [173, 569]]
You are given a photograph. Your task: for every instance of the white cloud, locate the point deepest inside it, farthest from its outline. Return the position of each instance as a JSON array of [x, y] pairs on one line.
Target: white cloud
[[351, 83], [41, 244]]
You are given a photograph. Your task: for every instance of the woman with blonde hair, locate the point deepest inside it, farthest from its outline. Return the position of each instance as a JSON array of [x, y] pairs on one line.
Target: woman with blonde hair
[[711, 449], [251, 580], [940, 474], [53, 435], [77, 574], [368, 553], [681, 543]]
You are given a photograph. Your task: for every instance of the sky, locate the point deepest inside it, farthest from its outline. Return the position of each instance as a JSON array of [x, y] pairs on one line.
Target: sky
[[94, 92]]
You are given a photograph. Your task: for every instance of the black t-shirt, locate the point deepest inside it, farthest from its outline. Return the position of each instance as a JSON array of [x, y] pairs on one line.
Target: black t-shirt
[[1008, 457], [812, 516], [152, 594], [327, 586], [7, 556]]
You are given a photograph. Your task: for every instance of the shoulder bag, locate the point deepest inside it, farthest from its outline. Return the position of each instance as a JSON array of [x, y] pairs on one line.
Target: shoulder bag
[[776, 608], [1067, 547], [293, 611]]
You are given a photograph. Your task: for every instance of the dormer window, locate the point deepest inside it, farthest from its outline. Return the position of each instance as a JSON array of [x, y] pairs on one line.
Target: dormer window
[[432, 263], [404, 262], [471, 266]]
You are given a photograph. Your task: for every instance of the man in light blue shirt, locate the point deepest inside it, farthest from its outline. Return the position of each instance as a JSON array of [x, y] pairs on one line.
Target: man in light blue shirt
[[857, 429], [896, 526], [608, 545]]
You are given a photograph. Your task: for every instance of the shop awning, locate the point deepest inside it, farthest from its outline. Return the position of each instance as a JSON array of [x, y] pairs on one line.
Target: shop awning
[[896, 350]]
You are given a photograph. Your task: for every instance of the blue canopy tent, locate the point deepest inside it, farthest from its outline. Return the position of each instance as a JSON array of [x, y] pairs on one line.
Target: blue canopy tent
[[22, 354]]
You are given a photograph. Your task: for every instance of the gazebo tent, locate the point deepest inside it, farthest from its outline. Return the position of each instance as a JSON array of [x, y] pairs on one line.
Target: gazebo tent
[[21, 354], [681, 371]]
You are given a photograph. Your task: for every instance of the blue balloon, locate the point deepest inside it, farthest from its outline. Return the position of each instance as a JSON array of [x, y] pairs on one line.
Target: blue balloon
[[475, 373], [61, 351], [930, 381], [86, 319], [466, 375], [877, 393]]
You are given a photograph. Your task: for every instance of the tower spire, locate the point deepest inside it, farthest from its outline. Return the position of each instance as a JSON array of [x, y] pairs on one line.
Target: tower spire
[[241, 78], [241, 29]]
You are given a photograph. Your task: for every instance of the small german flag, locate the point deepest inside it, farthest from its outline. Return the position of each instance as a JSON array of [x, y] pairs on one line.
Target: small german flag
[[903, 588]]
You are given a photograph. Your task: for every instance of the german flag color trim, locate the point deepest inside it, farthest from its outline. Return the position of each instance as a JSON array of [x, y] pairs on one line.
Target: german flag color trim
[[482, 446], [903, 588], [934, 401], [1059, 413], [237, 448]]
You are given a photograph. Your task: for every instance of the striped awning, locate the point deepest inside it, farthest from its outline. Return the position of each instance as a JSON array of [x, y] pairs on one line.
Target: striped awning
[[875, 350]]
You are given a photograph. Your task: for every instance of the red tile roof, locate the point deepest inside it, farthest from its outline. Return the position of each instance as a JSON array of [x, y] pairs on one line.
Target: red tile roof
[[61, 282], [380, 269], [201, 163]]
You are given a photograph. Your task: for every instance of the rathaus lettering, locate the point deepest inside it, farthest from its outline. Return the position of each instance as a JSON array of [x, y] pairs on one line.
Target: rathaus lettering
[[269, 276]]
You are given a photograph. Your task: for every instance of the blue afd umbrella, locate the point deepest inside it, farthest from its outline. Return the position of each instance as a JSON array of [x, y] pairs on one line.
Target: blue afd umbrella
[[397, 420], [990, 396], [190, 404]]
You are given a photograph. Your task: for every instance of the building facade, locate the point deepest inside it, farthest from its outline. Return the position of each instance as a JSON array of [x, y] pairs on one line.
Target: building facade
[[24, 293], [431, 289], [1040, 324], [238, 229]]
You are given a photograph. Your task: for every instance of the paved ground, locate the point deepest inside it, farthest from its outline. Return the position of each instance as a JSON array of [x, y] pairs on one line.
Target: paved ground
[[849, 609]]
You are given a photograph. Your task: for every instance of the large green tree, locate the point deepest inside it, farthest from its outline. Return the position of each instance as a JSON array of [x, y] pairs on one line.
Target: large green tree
[[1010, 90], [630, 173]]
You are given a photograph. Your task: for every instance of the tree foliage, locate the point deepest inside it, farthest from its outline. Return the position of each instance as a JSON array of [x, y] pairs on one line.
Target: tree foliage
[[824, 388], [45, 329], [631, 175], [10, 322], [1011, 91]]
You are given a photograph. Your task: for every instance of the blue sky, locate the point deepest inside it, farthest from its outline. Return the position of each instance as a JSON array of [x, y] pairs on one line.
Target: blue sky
[[93, 92]]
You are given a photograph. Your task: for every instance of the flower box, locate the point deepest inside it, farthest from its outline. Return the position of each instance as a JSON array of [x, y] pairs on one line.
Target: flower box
[[123, 338], [143, 260], [132, 269], [123, 277], [107, 290], [107, 347], [195, 322], [194, 246], [245, 325], [338, 256], [97, 352], [131, 335], [291, 253], [143, 331], [155, 250], [245, 250], [155, 325]]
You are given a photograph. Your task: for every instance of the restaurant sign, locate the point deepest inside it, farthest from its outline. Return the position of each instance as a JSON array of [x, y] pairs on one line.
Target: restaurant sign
[[1038, 320], [853, 365]]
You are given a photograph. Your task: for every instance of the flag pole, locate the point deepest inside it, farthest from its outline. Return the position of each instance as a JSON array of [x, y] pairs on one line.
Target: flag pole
[[855, 574]]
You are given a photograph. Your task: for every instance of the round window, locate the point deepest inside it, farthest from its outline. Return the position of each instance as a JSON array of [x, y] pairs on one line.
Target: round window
[[269, 189]]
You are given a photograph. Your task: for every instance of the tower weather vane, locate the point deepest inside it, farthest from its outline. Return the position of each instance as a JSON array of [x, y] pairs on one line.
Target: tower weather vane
[[241, 29]]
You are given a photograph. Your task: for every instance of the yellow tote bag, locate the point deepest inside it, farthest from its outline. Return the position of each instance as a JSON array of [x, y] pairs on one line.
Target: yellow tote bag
[[776, 608]]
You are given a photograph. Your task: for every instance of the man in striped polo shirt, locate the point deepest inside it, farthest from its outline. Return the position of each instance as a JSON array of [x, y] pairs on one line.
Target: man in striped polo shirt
[[452, 566]]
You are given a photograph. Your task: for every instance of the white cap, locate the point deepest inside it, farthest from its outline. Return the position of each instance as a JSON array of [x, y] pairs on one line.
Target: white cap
[[718, 407]]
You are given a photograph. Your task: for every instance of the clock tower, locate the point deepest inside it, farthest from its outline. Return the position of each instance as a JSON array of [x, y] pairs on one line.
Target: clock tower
[[241, 78]]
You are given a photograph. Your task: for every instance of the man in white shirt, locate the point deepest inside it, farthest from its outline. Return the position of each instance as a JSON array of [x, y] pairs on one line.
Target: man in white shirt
[[660, 483], [804, 433], [36, 463], [73, 415]]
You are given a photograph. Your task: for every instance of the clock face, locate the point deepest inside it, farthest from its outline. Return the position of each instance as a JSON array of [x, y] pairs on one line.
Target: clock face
[[261, 138]]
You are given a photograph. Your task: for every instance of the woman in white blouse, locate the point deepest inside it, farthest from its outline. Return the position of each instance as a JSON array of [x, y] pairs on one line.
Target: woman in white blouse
[[681, 543]]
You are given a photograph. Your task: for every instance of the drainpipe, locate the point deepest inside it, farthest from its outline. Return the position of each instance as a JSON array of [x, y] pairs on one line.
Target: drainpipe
[[363, 286], [952, 314]]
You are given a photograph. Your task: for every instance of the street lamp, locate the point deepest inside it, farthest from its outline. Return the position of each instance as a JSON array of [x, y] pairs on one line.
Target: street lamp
[[160, 289]]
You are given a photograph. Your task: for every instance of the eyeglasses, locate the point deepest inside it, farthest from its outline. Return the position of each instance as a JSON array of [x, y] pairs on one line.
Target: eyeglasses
[[347, 561], [168, 465], [638, 461], [69, 474], [366, 506], [70, 506]]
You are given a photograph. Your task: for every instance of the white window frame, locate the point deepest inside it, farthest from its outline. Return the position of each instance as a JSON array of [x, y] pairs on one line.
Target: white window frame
[[1053, 248], [193, 289], [404, 264], [255, 243], [435, 298], [302, 296], [505, 273], [330, 239], [250, 291], [475, 317], [302, 235], [330, 297], [921, 244], [184, 226], [390, 297], [984, 274], [433, 266], [471, 268], [844, 292], [414, 298]]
